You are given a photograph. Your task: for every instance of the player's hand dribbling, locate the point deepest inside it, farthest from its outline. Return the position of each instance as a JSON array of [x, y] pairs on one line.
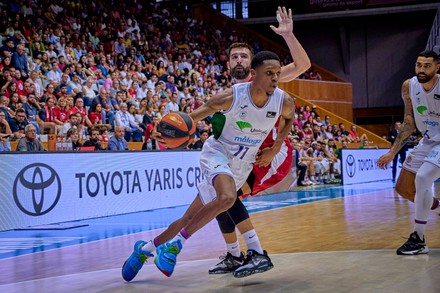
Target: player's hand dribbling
[[384, 160], [285, 23]]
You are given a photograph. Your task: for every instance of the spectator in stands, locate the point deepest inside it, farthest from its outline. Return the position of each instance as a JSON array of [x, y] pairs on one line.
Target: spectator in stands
[[344, 134], [54, 75], [19, 123], [95, 139], [71, 123], [108, 110], [132, 130], [19, 62], [30, 142], [5, 145], [198, 145], [150, 129], [72, 135], [79, 108], [306, 158], [5, 129], [95, 114], [300, 166], [14, 104], [335, 162], [117, 142], [355, 136], [172, 105]]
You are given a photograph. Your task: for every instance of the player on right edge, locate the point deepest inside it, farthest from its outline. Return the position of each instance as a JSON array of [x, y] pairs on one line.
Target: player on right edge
[[421, 95]]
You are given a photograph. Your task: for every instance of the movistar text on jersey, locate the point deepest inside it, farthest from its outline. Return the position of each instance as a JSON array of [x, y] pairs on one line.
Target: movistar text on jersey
[[248, 140]]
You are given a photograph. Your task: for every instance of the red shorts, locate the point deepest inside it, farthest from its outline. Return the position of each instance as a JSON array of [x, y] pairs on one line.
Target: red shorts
[[266, 177]]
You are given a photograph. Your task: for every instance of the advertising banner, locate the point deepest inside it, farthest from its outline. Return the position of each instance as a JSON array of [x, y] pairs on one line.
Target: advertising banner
[[49, 188], [359, 166]]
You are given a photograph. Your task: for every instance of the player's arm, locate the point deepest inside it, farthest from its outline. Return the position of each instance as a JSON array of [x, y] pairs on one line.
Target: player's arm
[[407, 128], [408, 125], [221, 101], [301, 61], [287, 113]]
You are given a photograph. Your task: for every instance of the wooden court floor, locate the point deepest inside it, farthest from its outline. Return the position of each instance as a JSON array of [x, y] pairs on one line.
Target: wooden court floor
[[344, 244]]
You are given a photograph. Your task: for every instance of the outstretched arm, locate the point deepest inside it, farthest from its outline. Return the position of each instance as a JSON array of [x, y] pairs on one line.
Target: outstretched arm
[[301, 61]]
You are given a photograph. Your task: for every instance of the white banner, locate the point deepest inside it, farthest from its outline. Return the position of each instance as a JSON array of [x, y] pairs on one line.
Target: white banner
[[359, 166], [49, 188]]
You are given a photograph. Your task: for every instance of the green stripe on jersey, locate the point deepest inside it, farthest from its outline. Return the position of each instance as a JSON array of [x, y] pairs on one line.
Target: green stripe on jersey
[[218, 123]]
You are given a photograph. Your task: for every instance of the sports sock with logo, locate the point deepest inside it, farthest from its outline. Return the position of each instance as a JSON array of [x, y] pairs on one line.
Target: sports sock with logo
[[234, 248], [252, 241]]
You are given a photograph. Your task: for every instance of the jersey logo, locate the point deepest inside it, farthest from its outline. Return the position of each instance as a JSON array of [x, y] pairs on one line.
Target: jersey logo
[[243, 124], [270, 114], [436, 97], [422, 110]]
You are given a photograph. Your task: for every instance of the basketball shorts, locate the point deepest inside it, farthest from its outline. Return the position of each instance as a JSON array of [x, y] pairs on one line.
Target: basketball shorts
[[215, 159], [426, 151], [266, 177]]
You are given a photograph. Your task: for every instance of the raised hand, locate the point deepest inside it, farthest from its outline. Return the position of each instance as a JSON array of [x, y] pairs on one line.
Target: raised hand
[[285, 22]]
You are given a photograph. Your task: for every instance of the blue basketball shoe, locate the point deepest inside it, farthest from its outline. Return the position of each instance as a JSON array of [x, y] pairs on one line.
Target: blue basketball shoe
[[135, 262], [166, 256]]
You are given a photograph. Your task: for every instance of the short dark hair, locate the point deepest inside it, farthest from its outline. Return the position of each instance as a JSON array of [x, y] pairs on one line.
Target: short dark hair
[[262, 56], [429, 54]]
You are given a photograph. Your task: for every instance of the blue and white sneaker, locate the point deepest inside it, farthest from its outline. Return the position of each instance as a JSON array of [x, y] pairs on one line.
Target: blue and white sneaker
[[135, 262], [166, 256]]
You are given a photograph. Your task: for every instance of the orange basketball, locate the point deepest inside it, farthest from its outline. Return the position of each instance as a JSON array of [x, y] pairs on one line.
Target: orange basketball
[[177, 129]]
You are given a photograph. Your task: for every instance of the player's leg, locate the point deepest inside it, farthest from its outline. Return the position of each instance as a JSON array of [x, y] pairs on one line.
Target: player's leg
[[223, 191], [234, 258], [424, 179]]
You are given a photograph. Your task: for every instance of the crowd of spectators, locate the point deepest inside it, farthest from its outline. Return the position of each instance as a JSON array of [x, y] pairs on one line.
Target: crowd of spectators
[[105, 74]]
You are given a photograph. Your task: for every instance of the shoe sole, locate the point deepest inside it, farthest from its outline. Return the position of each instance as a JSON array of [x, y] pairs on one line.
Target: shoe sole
[[247, 273], [220, 272], [414, 252]]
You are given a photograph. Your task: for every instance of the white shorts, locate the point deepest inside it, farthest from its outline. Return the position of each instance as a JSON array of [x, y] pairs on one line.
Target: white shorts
[[215, 159], [426, 151]]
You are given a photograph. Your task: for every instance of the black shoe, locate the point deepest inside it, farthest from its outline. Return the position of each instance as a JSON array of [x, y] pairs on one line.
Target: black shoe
[[228, 264], [414, 245], [254, 263]]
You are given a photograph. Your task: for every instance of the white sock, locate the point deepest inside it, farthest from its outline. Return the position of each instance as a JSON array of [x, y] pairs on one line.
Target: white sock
[[234, 248], [149, 247], [180, 237], [252, 241]]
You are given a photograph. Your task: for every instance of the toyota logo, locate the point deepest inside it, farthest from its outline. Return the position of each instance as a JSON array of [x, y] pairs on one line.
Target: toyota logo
[[37, 189], [350, 165]]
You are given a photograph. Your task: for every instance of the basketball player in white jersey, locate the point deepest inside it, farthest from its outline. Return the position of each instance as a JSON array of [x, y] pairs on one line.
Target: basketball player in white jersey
[[262, 177], [248, 113], [421, 95]]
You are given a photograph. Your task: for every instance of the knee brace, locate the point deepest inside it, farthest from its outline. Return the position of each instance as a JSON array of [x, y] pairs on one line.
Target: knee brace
[[238, 212], [225, 223]]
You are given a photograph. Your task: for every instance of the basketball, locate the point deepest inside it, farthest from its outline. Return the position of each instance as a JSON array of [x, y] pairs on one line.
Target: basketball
[[177, 129]]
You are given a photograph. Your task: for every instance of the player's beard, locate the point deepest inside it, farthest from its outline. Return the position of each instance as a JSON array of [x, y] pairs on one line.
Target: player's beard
[[240, 74], [424, 78]]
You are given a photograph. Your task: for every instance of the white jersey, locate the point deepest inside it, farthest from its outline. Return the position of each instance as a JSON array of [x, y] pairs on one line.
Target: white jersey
[[246, 125], [426, 108]]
